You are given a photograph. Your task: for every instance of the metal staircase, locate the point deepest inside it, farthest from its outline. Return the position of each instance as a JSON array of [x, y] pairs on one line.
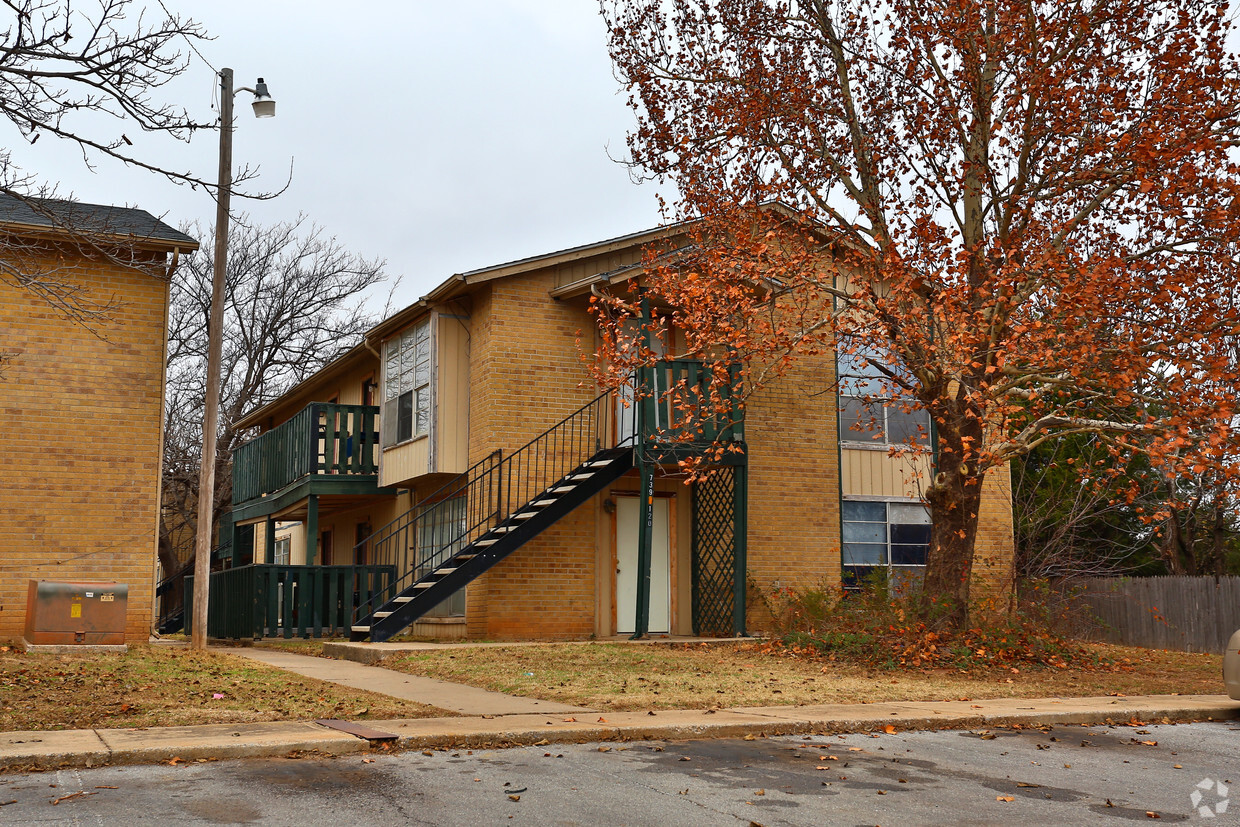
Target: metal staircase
[[480, 517]]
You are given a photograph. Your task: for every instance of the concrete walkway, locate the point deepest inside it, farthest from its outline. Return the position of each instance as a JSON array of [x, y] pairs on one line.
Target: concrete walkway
[[86, 748], [374, 652], [455, 697]]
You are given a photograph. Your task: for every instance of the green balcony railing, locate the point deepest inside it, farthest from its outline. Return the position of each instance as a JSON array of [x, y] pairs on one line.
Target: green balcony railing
[[683, 409], [266, 600], [321, 438]]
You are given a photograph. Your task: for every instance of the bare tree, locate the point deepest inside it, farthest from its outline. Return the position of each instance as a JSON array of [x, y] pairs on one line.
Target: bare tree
[[89, 73], [1073, 524], [62, 65], [294, 300]]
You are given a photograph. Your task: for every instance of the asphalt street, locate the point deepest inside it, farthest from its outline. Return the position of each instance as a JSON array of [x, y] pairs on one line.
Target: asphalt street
[[1061, 775]]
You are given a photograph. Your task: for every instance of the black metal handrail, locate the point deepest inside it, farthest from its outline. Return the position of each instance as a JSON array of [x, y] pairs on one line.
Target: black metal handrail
[[398, 543], [430, 534]]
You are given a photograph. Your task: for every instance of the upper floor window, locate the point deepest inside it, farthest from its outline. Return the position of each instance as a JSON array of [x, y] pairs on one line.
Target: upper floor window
[[407, 384], [872, 411], [283, 550]]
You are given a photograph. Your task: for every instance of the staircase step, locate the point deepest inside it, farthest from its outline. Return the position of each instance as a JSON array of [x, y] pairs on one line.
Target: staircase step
[[422, 585], [585, 476], [543, 502], [504, 529], [563, 489], [441, 572], [377, 615], [478, 543], [472, 556], [525, 515], [360, 628], [598, 463], [402, 599]]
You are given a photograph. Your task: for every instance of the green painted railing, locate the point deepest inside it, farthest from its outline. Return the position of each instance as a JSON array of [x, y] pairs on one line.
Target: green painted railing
[[320, 439], [683, 409], [267, 600]]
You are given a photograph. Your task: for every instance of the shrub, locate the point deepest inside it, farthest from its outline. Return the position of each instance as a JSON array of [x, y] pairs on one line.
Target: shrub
[[880, 628]]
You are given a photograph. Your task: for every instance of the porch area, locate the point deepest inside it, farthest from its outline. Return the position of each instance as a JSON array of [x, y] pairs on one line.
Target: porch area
[[323, 461], [264, 600]]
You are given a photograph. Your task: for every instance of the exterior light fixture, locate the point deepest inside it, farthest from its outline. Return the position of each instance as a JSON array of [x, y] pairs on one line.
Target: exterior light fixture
[[264, 104]]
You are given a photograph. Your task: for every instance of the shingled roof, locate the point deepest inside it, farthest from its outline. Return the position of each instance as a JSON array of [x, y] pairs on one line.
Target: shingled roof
[[59, 216]]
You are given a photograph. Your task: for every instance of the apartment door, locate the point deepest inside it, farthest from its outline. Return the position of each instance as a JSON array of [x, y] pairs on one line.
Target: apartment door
[[627, 512]]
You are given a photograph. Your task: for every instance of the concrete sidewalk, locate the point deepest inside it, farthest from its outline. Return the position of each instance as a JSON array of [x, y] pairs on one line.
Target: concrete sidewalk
[[86, 748], [455, 697]]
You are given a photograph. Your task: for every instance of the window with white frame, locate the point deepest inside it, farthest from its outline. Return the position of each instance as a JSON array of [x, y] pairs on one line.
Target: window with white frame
[[283, 550], [407, 384], [872, 412], [887, 540]]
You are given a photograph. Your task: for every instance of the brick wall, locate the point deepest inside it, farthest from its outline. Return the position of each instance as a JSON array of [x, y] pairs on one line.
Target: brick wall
[[81, 412], [527, 375], [794, 489], [994, 556]]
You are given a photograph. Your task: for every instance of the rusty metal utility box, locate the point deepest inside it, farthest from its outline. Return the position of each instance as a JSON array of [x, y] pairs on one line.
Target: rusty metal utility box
[[90, 614]]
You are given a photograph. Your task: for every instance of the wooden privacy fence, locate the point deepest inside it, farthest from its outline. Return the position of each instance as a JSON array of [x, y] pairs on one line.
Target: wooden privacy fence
[[266, 600], [1188, 614]]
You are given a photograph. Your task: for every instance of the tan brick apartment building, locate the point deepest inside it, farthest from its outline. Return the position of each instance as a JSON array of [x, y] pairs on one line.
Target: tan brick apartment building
[[82, 401], [491, 360]]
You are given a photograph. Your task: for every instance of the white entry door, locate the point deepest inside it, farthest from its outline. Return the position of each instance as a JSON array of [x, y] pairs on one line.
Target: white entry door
[[627, 512]]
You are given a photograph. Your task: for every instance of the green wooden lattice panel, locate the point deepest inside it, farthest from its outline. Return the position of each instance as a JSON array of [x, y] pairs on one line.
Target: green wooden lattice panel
[[714, 553]]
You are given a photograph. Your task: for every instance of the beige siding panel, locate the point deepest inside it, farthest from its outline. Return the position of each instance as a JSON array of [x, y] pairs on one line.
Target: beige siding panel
[[402, 463], [452, 395], [870, 473], [584, 268], [351, 393]]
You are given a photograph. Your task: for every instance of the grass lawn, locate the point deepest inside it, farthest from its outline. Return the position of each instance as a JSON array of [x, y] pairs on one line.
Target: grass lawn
[[298, 646], [639, 677], [167, 686]]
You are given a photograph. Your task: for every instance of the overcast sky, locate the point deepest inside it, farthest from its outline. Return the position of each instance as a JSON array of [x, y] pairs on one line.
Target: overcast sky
[[441, 137]]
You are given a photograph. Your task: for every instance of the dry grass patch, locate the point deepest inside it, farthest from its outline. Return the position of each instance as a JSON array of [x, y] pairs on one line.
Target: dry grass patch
[[640, 677], [166, 686], [298, 646]]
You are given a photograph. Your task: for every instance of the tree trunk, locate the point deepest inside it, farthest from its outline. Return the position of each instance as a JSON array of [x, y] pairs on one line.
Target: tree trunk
[[954, 499]]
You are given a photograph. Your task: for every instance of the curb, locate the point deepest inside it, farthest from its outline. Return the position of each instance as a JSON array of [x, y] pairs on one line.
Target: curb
[[22, 751], [27, 751]]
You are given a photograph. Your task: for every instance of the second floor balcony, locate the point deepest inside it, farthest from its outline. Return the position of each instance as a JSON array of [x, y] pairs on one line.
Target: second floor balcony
[[336, 447]]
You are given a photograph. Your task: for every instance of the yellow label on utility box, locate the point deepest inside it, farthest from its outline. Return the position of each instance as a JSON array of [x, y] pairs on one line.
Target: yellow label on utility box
[[75, 610]]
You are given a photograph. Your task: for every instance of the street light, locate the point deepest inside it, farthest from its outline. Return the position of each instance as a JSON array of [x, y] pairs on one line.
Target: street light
[[264, 107]]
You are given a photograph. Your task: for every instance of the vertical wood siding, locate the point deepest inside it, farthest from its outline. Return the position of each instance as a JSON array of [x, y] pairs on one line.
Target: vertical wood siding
[[1188, 614]]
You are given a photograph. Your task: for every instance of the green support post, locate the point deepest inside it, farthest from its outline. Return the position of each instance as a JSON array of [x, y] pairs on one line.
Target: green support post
[[234, 533], [740, 527], [312, 529], [645, 511], [645, 539], [269, 541]]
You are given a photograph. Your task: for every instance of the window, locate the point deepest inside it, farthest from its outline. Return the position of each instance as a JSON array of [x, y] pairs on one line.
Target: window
[[871, 411], [407, 385], [284, 546], [888, 540], [441, 534]]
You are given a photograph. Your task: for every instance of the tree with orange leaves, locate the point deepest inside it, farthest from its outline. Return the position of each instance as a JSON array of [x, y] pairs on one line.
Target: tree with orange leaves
[[1021, 215]]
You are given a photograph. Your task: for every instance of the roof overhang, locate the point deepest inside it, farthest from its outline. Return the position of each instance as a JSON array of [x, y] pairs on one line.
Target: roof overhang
[[341, 364]]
